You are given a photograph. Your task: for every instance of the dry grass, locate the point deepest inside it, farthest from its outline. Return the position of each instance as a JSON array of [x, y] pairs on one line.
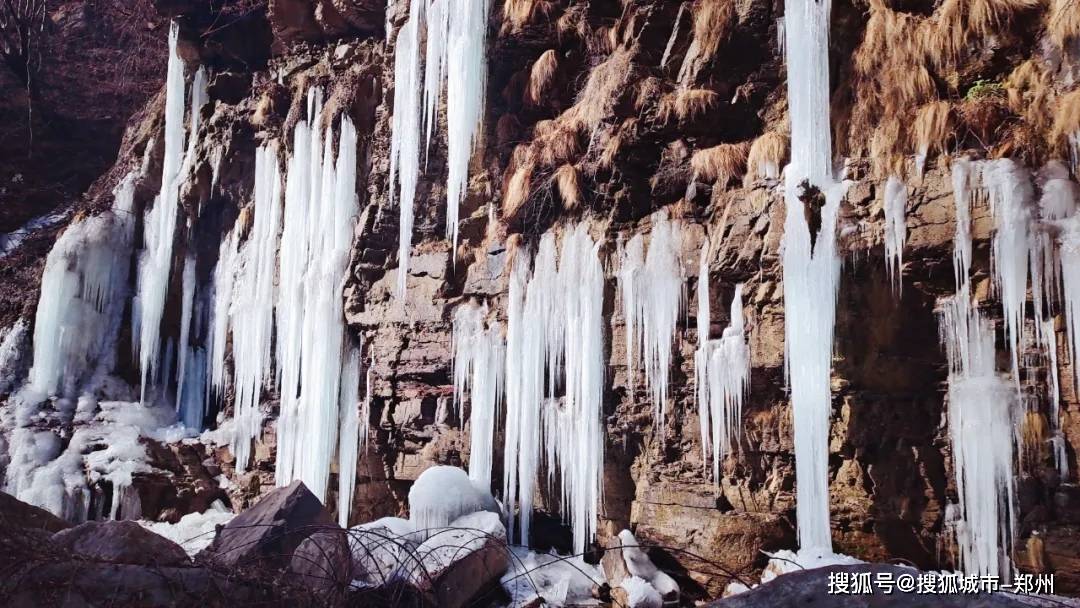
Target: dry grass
[[541, 77], [1066, 123], [517, 190], [767, 155], [720, 164], [648, 93], [1033, 433], [932, 128], [1064, 22], [574, 23], [899, 64], [886, 141], [686, 104], [519, 13], [560, 143], [984, 117], [602, 89], [507, 129], [566, 179], [714, 21]]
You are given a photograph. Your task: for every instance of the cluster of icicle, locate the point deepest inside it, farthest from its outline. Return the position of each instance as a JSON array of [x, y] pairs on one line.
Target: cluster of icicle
[[811, 269], [159, 233], [555, 340], [1035, 245], [83, 292], [453, 59], [479, 355], [721, 373], [314, 355], [653, 291], [895, 229]]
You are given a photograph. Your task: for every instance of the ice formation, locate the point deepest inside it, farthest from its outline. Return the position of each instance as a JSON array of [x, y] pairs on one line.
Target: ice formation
[[642, 568], [251, 302], [640, 594], [895, 228], [479, 354], [811, 268], [405, 142], [442, 494], [980, 410], [964, 179], [653, 291], [195, 531], [83, 291], [555, 338], [320, 211], [722, 372], [558, 580], [155, 262], [352, 440], [1011, 197], [454, 54]]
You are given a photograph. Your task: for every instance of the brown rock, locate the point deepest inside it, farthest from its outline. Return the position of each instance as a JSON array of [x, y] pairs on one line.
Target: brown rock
[[324, 563], [123, 542], [271, 530], [18, 514]]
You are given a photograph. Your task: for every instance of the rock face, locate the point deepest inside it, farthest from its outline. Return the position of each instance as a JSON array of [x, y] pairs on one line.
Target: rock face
[[460, 562], [269, 532], [122, 542], [15, 513]]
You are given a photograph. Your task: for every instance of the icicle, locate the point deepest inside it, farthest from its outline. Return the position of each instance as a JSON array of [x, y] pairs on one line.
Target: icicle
[[155, 263], [456, 46], [466, 71], [187, 303], [1069, 242], [811, 264], [251, 317], [83, 288], [1011, 196], [479, 353], [723, 367], [524, 391], [556, 330], [405, 140], [964, 178], [351, 439], [981, 430], [653, 294], [320, 211], [895, 229], [701, 355]]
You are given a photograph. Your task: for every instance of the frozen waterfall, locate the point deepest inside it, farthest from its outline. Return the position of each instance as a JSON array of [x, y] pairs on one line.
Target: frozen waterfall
[[811, 263], [555, 338]]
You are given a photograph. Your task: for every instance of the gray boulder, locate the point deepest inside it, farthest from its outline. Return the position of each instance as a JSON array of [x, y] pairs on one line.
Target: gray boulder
[[269, 532], [120, 542]]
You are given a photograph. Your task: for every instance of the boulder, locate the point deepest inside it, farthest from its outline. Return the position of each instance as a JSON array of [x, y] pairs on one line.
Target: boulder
[[271, 530], [811, 588], [459, 563], [121, 542], [18, 514], [324, 563], [380, 547]]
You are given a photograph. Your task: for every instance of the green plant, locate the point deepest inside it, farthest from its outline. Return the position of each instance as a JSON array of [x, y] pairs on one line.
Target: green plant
[[984, 89]]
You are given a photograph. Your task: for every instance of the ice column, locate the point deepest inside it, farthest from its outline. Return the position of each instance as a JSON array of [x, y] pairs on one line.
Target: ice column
[[479, 354], [981, 403], [811, 264], [83, 289], [454, 56], [653, 293], [155, 262], [895, 229], [555, 336], [320, 212], [725, 371]]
